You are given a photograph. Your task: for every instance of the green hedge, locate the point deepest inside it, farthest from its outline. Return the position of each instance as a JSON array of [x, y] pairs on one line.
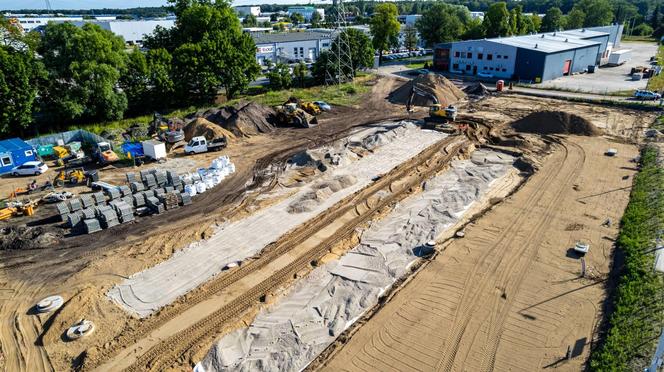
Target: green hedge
[[637, 317]]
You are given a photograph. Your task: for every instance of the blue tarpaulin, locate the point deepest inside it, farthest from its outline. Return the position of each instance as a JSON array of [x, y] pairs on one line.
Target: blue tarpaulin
[[134, 148]]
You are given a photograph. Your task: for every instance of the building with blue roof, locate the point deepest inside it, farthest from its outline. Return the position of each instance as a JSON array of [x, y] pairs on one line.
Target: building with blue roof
[[15, 152], [536, 57]]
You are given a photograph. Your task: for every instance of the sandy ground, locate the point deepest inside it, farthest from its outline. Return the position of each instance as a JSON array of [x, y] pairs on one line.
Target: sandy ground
[[509, 296], [82, 269]]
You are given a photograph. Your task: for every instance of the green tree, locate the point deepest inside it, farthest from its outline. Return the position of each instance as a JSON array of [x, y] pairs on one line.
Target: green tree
[[280, 77], [20, 76], [553, 20], [598, 12], [643, 29], [250, 21], [440, 24], [362, 56], [656, 17], [624, 11], [410, 37], [135, 81], [209, 51], [300, 73], [160, 79], [297, 18], [474, 30], [384, 28], [535, 23], [84, 66], [575, 18], [315, 20], [497, 20]]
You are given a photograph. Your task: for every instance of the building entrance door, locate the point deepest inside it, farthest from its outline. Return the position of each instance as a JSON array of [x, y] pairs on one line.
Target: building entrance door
[[567, 66]]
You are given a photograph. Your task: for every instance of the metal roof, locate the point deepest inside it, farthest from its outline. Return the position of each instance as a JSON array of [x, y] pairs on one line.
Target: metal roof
[[545, 43], [13, 144], [583, 33], [286, 37]]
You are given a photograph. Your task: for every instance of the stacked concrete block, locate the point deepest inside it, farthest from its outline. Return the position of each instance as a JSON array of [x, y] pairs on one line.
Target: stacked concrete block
[[125, 212], [108, 218], [63, 210], [131, 177], [124, 190], [154, 204], [150, 181], [173, 178], [168, 189], [170, 200], [75, 205], [89, 213], [113, 193], [158, 192], [136, 187], [160, 177], [87, 201], [91, 225], [99, 198], [138, 200], [186, 198], [73, 219]]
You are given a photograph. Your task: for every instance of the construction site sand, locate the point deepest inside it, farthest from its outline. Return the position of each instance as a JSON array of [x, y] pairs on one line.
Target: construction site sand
[[207, 129], [147, 291], [289, 335], [509, 296], [428, 86]]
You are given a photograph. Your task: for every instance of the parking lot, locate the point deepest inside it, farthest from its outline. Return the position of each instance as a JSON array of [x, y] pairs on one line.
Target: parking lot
[[608, 79]]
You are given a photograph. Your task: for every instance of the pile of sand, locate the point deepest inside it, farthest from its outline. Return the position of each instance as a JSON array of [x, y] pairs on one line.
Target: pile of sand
[[24, 237], [556, 122], [477, 90], [243, 119], [429, 86], [203, 127], [321, 191]]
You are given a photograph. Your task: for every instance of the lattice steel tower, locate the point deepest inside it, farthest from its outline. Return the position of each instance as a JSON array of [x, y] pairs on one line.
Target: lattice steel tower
[[339, 68]]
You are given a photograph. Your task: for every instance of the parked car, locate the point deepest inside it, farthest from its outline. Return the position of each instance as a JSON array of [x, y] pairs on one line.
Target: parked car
[[647, 95], [422, 71], [31, 168], [324, 106]]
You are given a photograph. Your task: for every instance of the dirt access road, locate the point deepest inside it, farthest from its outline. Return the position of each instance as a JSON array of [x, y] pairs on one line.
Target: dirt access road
[[509, 296]]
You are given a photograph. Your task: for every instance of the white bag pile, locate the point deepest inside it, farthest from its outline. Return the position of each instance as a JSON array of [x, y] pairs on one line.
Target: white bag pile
[[221, 168]]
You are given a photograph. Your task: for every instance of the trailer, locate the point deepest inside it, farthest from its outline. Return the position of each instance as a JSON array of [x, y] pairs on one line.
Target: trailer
[[619, 57], [154, 150]]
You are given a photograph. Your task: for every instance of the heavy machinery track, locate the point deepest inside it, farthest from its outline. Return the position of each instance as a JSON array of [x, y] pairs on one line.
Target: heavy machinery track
[[163, 354]]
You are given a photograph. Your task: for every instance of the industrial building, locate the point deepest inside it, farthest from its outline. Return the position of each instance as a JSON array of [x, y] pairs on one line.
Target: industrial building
[[291, 46], [133, 32], [15, 152], [246, 10], [536, 57], [306, 11]]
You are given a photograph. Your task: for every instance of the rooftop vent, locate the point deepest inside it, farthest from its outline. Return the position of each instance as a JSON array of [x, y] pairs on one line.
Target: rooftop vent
[[536, 45], [542, 36], [566, 40]]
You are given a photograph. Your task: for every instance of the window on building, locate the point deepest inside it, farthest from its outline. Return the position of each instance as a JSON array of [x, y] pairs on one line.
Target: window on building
[[480, 55], [28, 153], [295, 51], [455, 66], [456, 54], [504, 70], [497, 56], [470, 55], [489, 57], [5, 161], [467, 67], [326, 45], [302, 51], [491, 68], [504, 57]]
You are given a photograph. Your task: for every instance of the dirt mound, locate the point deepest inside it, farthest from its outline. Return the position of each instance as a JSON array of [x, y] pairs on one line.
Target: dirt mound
[[24, 237], [203, 127], [555, 122], [477, 90], [428, 86], [243, 119]]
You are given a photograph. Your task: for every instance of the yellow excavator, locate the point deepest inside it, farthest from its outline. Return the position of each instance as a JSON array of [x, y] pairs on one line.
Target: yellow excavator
[[294, 114], [439, 115]]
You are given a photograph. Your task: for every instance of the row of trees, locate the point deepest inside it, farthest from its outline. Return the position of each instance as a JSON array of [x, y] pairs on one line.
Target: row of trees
[[78, 74]]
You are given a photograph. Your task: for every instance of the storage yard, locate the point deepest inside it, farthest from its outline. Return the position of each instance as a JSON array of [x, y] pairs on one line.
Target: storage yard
[[369, 241]]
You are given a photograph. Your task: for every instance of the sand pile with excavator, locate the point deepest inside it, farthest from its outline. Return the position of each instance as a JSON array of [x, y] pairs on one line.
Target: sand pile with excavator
[[243, 119], [429, 89], [203, 127]]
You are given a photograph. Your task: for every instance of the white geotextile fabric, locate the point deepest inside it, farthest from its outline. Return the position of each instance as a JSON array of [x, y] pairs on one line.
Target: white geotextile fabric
[[292, 332], [149, 290]]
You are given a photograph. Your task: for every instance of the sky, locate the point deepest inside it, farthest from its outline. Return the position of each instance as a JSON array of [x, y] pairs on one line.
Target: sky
[[97, 4]]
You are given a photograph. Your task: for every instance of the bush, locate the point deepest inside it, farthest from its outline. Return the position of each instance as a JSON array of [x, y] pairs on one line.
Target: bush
[[642, 30], [637, 318]]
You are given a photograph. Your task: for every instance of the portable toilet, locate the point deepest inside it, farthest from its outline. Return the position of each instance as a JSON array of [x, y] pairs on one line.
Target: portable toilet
[[500, 84], [15, 152]]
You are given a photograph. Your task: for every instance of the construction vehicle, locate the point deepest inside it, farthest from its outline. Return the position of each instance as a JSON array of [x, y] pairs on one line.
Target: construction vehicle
[[169, 131], [105, 154], [439, 116], [19, 208], [75, 177], [290, 114], [311, 108]]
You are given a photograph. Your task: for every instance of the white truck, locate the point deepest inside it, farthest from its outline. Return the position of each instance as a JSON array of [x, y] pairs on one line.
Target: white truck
[[200, 144]]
